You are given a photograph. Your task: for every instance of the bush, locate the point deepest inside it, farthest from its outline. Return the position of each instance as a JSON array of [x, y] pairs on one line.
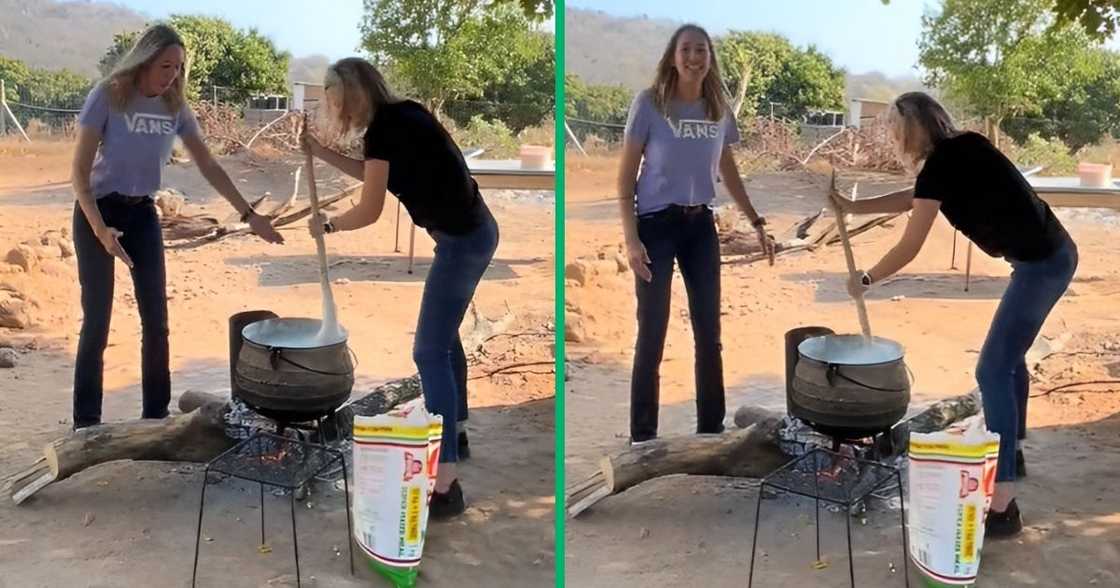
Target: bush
[[1052, 153], [493, 136]]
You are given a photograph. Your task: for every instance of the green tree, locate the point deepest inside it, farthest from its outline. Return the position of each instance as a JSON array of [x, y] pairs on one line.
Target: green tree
[[218, 54], [525, 96], [14, 73], [447, 49], [609, 104], [1001, 57], [766, 67], [1098, 18]]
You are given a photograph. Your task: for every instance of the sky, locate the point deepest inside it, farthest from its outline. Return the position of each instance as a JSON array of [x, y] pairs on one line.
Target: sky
[[325, 27], [859, 35]]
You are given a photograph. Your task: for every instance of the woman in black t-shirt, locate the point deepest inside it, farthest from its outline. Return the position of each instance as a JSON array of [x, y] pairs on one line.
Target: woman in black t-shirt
[[986, 197], [408, 152]]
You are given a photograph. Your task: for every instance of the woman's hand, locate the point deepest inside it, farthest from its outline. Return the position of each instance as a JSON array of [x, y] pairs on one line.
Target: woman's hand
[[639, 259], [109, 238], [263, 228], [856, 287], [307, 141]]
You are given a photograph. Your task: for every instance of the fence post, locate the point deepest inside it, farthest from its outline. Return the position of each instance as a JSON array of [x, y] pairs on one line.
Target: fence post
[[3, 106]]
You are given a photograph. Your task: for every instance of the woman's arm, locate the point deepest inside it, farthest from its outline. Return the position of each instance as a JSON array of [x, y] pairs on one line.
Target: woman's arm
[[88, 139], [219, 179], [899, 201], [627, 184], [729, 171], [375, 181], [355, 168], [917, 229]]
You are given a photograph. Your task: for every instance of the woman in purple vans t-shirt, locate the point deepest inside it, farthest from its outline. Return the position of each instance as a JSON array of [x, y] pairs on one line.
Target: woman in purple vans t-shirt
[[126, 130], [680, 131]]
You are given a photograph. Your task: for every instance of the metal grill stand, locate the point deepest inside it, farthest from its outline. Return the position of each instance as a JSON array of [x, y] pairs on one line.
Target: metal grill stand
[[278, 461], [828, 476]]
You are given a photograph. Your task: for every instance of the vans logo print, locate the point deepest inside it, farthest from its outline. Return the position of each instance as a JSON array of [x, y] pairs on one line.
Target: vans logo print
[[687, 128], [149, 124]]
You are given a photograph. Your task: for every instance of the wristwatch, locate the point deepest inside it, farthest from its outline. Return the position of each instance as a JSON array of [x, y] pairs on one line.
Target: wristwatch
[[328, 226], [865, 279], [759, 222]]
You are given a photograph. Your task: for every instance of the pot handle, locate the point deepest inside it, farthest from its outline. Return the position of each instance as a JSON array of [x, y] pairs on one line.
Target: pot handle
[[834, 371], [275, 356]]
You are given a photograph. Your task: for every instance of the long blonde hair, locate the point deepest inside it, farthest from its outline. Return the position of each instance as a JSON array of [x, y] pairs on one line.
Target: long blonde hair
[[364, 90], [923, 123], [123, 80], [665, 82]]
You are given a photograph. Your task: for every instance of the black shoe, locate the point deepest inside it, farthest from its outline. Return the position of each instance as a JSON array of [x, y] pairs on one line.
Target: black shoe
[[464, 446], [446, 505], [1020, 465], [84, 424], [1002, 525], [639, 441]]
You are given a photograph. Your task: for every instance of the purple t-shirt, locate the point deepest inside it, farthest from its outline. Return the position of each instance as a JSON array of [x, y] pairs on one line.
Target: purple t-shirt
[[680, 153], [135, 143]]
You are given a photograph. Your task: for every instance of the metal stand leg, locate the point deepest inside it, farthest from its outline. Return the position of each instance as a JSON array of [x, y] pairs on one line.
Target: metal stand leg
[[817, 499], [851, 562], [754, 542], [968, 267], [411, 246], [905, 542], [953, 261], [295, 536], [263, 542], [198, 531], [349, 526], [397, 230]]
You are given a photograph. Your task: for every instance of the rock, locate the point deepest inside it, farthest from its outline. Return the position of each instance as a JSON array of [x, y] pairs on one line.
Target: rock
[[23, 256], [8, 357], [170, 202], [578, 271], [574, 330], [13, 310], [66, 248]]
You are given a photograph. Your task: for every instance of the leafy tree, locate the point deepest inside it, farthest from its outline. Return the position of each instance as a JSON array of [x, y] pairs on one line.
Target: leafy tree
[[246, 62], [1098, 18], [1001, 57], [777, 71], [448, 49], [609, 104]]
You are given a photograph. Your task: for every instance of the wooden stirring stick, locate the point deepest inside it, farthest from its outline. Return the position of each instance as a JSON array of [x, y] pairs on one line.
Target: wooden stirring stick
[[861, 307], [329, 309]]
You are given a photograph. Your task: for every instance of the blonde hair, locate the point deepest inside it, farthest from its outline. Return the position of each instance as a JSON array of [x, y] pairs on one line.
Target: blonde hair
[[364, 90], [923, 123], [125, 77], [665, 82]]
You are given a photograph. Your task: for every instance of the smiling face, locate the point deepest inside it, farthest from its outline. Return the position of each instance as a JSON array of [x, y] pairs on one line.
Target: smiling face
[[159, 75], [692, 57]]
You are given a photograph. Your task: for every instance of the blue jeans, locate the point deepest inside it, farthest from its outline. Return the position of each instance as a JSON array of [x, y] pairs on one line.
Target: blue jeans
[[143, 241], [1002, 369], [460, 261], [686, 235]]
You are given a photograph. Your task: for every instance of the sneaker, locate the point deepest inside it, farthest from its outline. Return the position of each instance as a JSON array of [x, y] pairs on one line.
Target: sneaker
[[84, 424], [641, 442], [1020, 465], [464, 446], [1003, 525], [446, 505]]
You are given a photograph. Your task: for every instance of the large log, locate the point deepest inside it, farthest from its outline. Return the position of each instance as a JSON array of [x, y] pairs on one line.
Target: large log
[[752, 451], [198, 435]]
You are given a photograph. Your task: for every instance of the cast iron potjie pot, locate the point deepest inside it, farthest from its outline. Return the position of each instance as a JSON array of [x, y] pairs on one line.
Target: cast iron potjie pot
[[283, 372], [848, 388]]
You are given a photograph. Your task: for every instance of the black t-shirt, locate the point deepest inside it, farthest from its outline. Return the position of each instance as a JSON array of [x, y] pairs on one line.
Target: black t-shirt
[[985, 197], [427, 171]]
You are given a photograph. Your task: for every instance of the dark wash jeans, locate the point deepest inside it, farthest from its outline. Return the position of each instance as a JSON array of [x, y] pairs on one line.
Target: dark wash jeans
[[143, 241], [686, 235], [458, 266], [1001, 371]]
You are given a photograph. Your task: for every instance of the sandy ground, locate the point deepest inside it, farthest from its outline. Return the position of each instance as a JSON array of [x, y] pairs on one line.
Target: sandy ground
[[697, 531], [133, 524]]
